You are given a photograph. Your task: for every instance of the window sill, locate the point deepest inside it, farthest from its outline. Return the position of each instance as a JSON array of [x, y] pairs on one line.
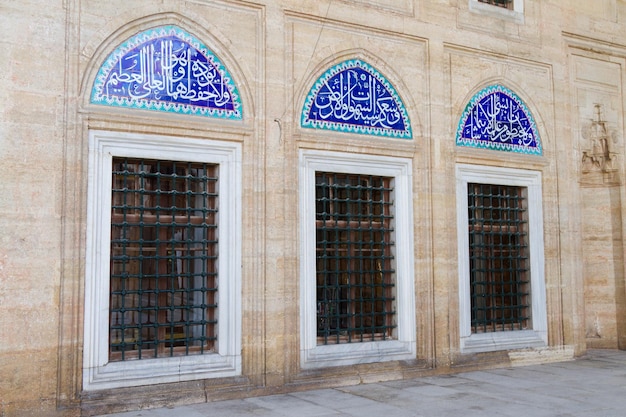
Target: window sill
[[491, 342], [357, 353], [158, 371]]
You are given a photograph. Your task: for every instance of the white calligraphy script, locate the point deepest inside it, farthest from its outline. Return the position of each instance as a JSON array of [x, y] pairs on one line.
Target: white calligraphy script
[[168, 69], [499, 120], [356, 97]]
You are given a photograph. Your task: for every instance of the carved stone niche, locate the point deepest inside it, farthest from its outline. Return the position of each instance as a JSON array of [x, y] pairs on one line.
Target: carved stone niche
[[599, 156]]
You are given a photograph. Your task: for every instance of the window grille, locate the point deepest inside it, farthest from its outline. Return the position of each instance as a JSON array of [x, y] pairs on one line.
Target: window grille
[[506, 4], [355, 276], [163, 283], [499, 258]]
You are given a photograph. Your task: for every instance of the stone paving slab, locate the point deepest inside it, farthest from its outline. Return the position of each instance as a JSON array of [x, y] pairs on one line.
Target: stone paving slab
[[592, 386]]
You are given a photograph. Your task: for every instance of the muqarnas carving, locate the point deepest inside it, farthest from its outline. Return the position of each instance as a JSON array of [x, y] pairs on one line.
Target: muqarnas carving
[[599, 159]]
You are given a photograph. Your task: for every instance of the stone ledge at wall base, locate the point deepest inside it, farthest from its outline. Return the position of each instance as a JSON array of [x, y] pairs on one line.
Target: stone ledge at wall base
[[166, 395], [526, 357], [38, 408], [510, 358]]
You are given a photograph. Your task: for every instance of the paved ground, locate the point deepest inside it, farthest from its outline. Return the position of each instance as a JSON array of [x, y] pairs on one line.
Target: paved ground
[[593, 386]]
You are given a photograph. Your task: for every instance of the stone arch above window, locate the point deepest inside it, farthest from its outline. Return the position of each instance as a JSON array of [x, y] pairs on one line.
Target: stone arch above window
[[354, 97], [496, 118], [167, 69]]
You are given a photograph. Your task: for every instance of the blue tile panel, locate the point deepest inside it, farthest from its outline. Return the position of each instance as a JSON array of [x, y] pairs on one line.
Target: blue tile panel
[[167, 69], [353, 97], [496, 118]]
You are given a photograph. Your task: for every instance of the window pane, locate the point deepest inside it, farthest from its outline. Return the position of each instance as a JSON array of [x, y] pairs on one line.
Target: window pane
[[355, 276], [163, 283], [499, 256], [507, 4]]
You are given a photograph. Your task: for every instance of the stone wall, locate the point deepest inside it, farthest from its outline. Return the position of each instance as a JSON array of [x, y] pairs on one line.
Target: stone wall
[[564, 59], [33, 138]]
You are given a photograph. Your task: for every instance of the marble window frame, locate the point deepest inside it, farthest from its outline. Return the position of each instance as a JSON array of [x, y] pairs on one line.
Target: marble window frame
[[98, 372], [503, 340], [403, 346]]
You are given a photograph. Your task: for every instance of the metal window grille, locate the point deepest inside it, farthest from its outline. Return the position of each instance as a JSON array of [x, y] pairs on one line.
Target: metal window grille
[[163, 280], [499, 257], [355, 275], [506, 4]]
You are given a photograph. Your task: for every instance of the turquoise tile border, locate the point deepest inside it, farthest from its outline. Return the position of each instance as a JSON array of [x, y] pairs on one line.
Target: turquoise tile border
[[363, 112], [504, 124], [127, 64]]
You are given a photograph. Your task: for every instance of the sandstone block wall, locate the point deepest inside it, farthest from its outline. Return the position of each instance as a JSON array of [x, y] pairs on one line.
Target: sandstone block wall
[[565, 59]]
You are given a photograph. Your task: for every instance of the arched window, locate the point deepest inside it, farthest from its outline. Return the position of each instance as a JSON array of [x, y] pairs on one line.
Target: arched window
[[500, 229], [163, 256]]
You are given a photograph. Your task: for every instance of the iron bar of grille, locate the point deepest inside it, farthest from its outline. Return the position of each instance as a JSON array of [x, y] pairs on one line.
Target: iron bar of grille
[[499, 256], [355, 275], [163, 281], [506, 4]]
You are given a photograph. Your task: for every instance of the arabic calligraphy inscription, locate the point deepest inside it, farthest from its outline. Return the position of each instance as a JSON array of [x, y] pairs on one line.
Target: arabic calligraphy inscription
[[496, 118], [167, 69], [354, 97]]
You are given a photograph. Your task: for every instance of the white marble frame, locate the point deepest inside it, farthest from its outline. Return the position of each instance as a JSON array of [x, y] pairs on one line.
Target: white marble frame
[[98, 372], [516, 14], [506, 340], [403, 346]]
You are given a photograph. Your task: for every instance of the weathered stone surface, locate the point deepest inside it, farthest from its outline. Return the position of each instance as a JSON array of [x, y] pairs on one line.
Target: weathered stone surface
[[564, 59]]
